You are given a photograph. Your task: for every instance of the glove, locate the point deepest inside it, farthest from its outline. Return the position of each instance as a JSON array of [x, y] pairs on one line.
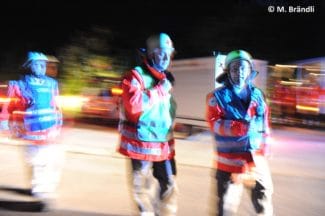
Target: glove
[[239, 128], [27, 99], [267, 147], [165, 85], [248, 178], [4, 125]]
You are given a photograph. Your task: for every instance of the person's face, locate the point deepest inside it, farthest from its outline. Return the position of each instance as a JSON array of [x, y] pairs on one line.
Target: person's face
[[38, 67], [239, 71], [161, 59]]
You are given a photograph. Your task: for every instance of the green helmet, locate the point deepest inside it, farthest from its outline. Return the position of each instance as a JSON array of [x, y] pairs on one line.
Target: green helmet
[[236, 55], [233, 56]]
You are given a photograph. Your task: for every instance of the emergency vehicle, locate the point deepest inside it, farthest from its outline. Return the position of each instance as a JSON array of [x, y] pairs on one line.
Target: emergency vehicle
[[297, 95]]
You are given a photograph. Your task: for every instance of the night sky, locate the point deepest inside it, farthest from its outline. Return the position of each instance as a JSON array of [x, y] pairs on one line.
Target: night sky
[[197, 29]]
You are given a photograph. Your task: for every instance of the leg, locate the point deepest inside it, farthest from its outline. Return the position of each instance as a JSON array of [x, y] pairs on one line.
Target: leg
[[46, 162], [262, 192], [165, 173], [228, 194], [141, 184]]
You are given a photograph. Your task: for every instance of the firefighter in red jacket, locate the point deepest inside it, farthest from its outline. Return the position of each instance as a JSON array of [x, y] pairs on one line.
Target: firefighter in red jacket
[[34, 116], [237, 114], [146, 127]]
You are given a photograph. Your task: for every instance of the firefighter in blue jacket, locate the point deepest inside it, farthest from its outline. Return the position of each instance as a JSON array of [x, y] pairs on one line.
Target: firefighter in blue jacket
[[237, 114], [33, 115]]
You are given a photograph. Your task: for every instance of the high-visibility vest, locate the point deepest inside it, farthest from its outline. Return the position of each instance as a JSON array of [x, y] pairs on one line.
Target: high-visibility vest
[[34, 114], [147, 134]]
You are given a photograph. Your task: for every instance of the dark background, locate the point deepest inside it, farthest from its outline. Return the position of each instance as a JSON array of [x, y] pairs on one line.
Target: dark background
[[197, 28]]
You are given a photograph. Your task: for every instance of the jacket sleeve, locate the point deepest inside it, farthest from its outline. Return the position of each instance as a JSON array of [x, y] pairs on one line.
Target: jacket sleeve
[[56, 104], [136, 98], [266, 145], [213, 111], [219, 124], [262, 112], [8, 106]]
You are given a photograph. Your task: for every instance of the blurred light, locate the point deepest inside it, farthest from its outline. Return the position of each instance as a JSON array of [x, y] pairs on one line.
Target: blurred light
[[117, 91], [308, 108], [6, 99], [315, 69], [287, 66], [70, 101], [290, 83]]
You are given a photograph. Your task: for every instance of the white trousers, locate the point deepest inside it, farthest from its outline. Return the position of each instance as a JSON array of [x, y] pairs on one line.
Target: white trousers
[[45, 163]]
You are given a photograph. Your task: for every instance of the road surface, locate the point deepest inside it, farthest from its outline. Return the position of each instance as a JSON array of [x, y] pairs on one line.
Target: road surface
[[94, 180]]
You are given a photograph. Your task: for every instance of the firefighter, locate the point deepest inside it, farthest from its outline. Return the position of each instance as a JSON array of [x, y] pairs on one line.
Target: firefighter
[[146, 128], [237, 115], [34, 116]]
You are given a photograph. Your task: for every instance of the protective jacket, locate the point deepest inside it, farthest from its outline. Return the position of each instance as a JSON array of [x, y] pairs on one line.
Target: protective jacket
[[147, 116], [240, 127], [33, 111]]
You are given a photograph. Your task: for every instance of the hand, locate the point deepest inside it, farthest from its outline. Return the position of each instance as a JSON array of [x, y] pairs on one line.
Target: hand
[[27, 100], [239, 128], [267, 147], [165, 85], [248, 179], [4, 125]]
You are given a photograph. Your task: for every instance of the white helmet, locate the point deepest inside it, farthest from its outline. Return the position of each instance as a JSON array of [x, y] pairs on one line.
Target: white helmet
[[160, 41], [34, 56]]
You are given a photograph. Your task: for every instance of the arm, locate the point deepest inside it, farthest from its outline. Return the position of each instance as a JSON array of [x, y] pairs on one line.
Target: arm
[[56, 104], [266, 145], [8, 107], [137, 99], [217, 122], [213, 111], [261, 112]]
